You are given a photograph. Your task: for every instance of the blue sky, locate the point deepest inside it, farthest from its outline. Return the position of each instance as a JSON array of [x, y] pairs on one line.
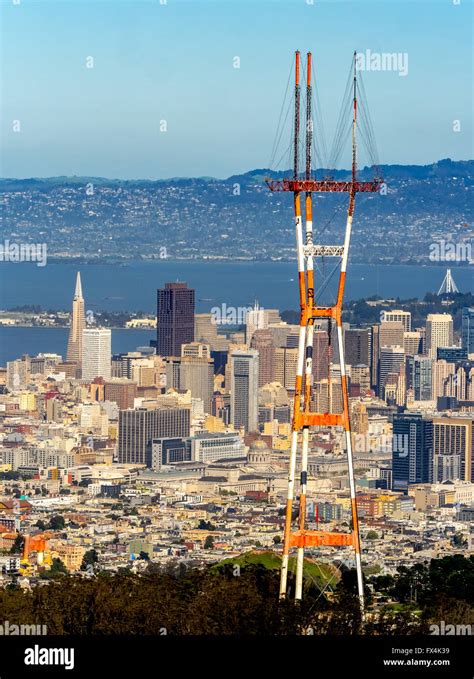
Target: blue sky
[[174, 62]]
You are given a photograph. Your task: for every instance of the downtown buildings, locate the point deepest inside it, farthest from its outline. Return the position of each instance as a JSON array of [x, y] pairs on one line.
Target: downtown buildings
[[210, 427]]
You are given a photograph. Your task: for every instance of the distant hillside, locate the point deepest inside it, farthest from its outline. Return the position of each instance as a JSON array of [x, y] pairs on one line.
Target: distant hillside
[[237, 217]]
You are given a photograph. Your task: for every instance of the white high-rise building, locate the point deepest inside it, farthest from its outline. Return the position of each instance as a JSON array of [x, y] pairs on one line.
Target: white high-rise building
[[96, 353], [398, 315], [439, 333], [255, 319], [244, 389]]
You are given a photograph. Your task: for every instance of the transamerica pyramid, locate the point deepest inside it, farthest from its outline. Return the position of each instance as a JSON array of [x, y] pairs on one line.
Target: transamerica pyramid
[[78, 323]]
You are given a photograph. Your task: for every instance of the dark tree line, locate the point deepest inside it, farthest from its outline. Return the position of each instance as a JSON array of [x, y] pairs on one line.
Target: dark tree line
[[222, 602]]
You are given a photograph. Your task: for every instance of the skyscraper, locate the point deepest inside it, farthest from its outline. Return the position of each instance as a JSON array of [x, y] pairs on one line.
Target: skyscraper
[[285, 363], [244, 389], [391, 358], [321, 355], [439, 332], [419, 377], [467, 332], [262, 341], [397, 315], [96, 353], [356, 346], [453, 448], [205, 328], [412, 450], [78, 324], [120, 390], [412, 343], [137, 429], [175, 318], [391, 334], [196, 372]]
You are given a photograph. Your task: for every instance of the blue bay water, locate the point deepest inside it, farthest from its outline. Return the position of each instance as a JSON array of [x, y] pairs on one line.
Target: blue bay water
[[14, 342], [132, 287]]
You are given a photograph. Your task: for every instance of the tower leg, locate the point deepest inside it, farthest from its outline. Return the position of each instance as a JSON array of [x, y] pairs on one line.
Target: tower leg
[[297, 400], [302, 514], [350, 464]]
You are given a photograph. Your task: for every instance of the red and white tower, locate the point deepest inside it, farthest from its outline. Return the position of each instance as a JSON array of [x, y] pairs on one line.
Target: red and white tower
[[309, 252]]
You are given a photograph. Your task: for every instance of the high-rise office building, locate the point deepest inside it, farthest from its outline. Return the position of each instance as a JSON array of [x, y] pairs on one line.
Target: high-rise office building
[[96, 353], [284, 335], [391, 358], [285, 364], [327, 396], [391, 334], [439, 332], [205, 328], [412, 450], [375, 349], [320, 355], [196, 372], [244, 389], [412, 343], [453, 448], [397, 315], [121, 391], [356, 346], [174, 319], [137, 429], [442, 371], [262, 341], [451, 354], [360, 380], [78, 324], [419, 377], [467, 329]]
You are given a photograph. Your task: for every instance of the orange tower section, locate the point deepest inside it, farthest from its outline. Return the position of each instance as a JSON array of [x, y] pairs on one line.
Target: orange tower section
[[296, 535]]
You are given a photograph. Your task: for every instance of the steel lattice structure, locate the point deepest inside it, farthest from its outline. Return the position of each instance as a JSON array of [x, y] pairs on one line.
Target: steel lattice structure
[[303, 418]]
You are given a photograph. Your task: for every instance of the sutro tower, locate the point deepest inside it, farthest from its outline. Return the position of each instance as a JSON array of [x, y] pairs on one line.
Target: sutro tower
[[296, 534]]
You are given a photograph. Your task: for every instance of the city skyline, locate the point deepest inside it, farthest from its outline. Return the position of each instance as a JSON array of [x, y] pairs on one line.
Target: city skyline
[[257, 419]]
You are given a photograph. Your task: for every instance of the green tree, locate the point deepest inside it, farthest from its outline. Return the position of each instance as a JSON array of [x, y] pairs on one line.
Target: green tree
[[90, 558], [57, 522], [209, 542], [17, 546], [58, 569]]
